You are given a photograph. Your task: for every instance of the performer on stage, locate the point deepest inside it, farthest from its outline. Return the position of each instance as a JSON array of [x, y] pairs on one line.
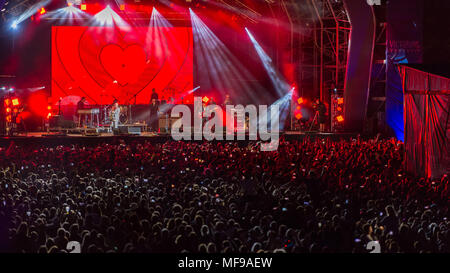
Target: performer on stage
[[80, 106], [227, 100], [321, 110], [115, 114], [154, 107], [154, 95]]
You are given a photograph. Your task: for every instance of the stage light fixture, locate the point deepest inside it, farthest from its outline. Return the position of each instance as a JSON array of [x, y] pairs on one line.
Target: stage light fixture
[[68, 14], [300, 100], [340, 118], [14, 25], [108, 17], [42, 11], [8, 110], [122, 7], [340, 100], [15, 101], [83, 7], [205, 99]]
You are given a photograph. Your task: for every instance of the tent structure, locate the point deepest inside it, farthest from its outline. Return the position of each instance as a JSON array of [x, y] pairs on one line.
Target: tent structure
[[426, 119]]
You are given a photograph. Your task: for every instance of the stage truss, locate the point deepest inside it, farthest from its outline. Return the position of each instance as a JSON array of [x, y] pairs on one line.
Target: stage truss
[[323, 60]]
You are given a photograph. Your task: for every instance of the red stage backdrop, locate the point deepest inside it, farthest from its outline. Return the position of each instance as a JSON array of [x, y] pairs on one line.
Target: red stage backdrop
[[107, 63]]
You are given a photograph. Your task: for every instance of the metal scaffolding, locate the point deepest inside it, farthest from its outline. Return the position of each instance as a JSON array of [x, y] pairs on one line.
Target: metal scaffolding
[[323, 47]]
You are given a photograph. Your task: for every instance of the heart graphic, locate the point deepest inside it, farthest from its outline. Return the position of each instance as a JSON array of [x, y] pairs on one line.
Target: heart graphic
[[125, 65]]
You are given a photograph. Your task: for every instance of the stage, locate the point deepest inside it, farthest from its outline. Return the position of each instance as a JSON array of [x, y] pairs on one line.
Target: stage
[[54, 139]]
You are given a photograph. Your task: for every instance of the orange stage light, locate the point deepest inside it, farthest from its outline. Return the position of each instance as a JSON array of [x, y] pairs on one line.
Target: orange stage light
[[7, 102], [122, 7], [15, 102], [42, 11], [8, 110], [205, 99], [298, 116], [300, 100], [340, 100], [340, 118], [83, 7]]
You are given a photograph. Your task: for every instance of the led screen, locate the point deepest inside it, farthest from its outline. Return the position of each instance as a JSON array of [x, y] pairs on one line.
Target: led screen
[[107, 63]]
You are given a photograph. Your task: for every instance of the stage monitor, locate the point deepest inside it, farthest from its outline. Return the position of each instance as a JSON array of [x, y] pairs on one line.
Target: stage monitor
[[107, 63]]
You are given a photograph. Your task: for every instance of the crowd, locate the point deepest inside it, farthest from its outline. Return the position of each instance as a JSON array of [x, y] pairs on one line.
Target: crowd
[[309, 196]]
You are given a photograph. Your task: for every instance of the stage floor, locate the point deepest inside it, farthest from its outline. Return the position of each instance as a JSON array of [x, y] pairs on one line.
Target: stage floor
[[46, 138]]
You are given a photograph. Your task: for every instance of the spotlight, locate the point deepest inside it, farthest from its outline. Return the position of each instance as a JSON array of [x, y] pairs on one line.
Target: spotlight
[[42, 11], [300, 100], [14, 25], [340, 118], [83, 7]]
